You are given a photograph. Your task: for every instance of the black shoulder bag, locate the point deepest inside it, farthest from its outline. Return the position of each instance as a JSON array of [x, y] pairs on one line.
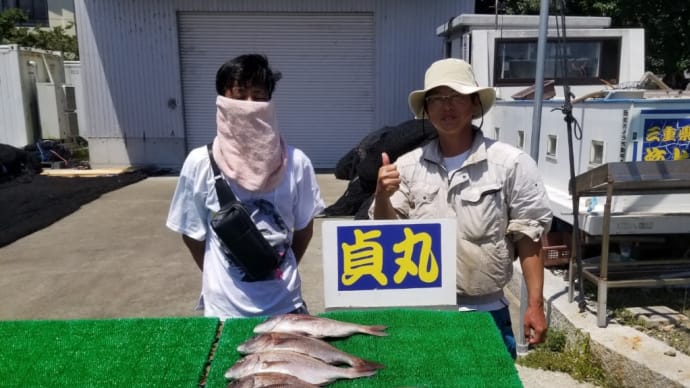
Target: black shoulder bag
[[242, 242]]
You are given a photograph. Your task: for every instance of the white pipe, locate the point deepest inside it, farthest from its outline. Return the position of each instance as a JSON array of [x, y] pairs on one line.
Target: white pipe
[[45, 63]]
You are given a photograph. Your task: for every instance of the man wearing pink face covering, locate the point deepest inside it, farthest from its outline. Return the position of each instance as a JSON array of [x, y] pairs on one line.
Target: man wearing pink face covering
[[275, 182]]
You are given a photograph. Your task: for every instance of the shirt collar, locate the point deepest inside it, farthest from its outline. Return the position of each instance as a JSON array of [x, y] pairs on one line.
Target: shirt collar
[[432, 151]]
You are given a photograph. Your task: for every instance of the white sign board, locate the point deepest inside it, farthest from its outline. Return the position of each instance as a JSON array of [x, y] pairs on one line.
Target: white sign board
[[386, 263]]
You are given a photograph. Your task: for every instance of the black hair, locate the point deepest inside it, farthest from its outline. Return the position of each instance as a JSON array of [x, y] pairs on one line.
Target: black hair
[[247, 69], [481, 111]]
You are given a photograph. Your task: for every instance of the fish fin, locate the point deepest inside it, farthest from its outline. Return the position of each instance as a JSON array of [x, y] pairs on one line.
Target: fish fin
[[282, 340], [276, 362]]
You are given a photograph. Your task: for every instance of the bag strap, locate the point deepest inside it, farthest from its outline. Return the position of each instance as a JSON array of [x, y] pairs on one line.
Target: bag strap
[[225, 194]]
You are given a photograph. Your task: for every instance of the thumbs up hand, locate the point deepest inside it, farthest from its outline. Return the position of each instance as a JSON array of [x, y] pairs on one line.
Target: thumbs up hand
[[388, 180], [385, 160]]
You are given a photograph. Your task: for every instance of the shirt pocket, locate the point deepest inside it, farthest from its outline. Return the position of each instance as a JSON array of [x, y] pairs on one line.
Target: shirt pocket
[[481, 212], [423, 201]]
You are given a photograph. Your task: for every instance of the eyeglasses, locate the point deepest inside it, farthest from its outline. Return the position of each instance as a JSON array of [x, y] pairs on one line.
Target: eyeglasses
[[439, 100]]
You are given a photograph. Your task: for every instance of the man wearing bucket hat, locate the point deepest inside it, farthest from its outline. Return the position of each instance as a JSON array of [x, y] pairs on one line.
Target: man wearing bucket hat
[[492, 189]]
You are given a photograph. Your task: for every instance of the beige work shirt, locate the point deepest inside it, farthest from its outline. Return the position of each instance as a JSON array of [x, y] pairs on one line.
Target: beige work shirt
[[497, 197]]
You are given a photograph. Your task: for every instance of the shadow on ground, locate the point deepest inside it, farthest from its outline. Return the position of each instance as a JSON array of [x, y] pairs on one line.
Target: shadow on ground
[[32, 202]]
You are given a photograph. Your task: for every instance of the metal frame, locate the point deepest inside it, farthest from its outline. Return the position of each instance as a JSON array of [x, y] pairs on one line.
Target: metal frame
[[631, 178]]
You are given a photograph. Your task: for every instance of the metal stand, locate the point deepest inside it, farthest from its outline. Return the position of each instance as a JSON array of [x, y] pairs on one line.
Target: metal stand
[[631, 178]]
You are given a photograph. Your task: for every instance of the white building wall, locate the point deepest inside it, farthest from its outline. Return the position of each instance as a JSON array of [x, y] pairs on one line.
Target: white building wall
[[61, 14], [129, 54]]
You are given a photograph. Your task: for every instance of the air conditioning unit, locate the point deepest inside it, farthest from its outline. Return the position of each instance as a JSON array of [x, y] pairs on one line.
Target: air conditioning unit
[[70, 99], [51, 110], [21, 69], [72, 127], [57, 111]]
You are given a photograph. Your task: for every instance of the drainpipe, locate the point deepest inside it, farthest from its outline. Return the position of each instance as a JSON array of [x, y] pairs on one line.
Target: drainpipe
[[36, 130], [521, 342], [447, 42]]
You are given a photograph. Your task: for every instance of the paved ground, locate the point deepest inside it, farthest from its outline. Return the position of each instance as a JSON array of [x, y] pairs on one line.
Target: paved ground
[[115, 258]]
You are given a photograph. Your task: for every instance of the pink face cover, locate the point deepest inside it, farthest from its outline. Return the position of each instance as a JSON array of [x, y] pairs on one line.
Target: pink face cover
[[248, 147]]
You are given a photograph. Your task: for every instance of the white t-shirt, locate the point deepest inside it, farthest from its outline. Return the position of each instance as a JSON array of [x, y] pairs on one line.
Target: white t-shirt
[[454, 163], [297, 199]]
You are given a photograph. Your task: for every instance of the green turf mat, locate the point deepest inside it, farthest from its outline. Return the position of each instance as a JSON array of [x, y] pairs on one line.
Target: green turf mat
[[425, 348], [138, 352], [235, 331]]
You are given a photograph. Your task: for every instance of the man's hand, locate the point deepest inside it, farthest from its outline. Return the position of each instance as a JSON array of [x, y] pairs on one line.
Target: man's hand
[[388, 180], [387, 183], [535, 324], [533, 270]]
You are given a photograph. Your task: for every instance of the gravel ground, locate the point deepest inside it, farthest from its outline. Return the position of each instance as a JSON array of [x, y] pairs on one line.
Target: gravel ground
[[537, 378]]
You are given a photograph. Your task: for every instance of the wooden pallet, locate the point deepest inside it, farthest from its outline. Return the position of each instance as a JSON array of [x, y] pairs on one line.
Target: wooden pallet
[[92, 172]]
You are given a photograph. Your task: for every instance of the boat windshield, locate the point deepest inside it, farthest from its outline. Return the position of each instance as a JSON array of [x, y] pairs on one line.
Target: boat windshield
[[587, 60]]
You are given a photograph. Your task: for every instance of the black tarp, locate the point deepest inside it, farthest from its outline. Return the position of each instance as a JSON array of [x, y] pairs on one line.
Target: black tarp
[[361, 164], [30, 203]]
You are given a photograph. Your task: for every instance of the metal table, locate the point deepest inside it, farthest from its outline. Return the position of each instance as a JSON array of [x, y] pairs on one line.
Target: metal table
[[631, 178]]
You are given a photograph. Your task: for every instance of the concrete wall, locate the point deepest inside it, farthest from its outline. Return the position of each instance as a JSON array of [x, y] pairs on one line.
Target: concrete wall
[[61, 14]]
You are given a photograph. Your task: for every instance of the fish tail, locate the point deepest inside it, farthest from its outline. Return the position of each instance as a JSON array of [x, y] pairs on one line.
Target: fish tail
[[364, 370], [359, 362], [377, 330]]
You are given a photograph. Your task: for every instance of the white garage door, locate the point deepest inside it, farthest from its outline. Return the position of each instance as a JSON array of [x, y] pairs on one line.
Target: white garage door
[[325, 100]]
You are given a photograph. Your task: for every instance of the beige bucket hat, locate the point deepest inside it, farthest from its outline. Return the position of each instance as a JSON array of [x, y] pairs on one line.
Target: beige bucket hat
[[457, 75]]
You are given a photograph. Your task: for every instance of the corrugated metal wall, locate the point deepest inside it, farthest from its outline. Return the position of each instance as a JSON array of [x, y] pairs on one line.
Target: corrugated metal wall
[[327, 63], [130, 68], [132, 76], [407, 44]]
